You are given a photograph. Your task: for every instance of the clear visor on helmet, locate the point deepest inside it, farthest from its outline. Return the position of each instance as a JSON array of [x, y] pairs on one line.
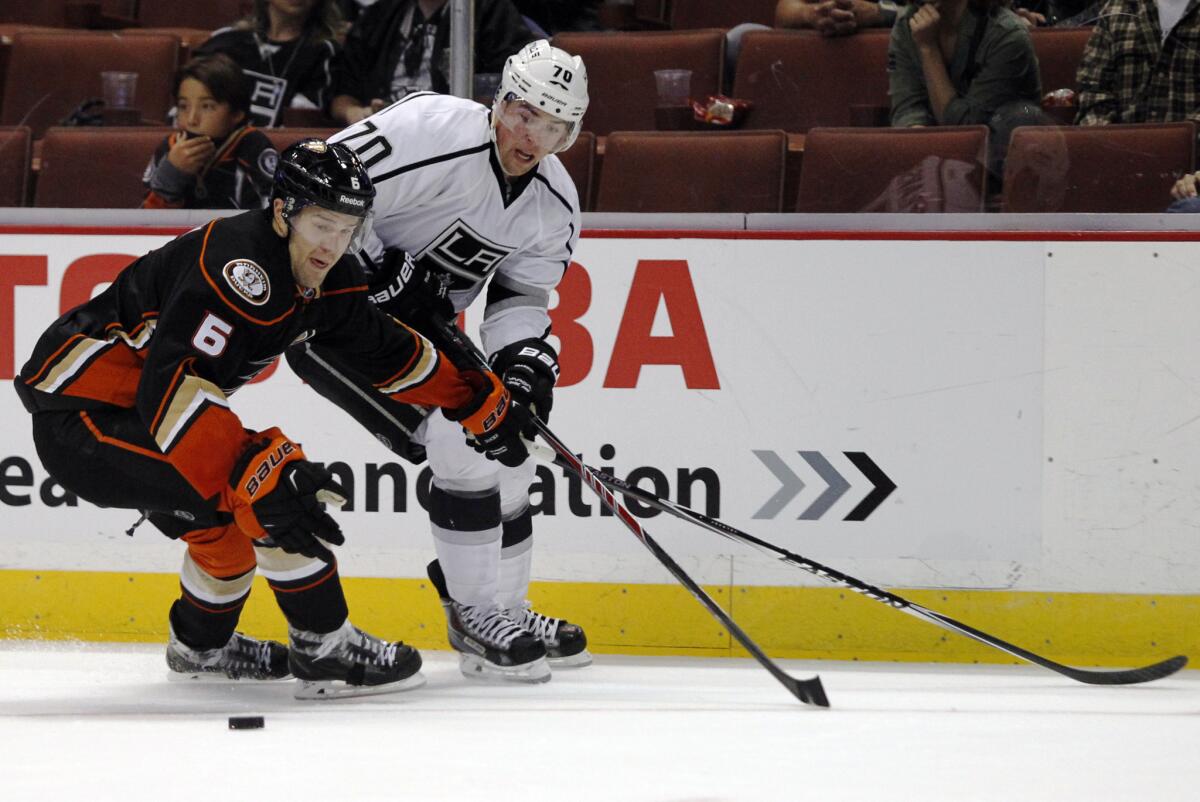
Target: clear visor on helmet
[[525, 121], [336, 232]]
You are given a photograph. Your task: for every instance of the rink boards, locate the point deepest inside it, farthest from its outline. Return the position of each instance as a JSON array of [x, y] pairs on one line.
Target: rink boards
[[1034, 398]]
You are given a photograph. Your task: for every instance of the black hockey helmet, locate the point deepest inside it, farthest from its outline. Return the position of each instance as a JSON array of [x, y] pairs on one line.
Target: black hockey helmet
[[313, 171]]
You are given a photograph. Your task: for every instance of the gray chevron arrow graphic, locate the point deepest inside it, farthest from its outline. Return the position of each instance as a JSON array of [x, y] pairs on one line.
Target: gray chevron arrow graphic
[[837, 486], [790, 484]]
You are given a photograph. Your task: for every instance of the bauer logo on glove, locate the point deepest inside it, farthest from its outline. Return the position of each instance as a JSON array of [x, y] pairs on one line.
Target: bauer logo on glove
[[266, 465]]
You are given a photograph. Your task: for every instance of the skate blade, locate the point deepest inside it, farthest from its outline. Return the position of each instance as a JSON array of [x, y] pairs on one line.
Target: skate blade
[[336, 689], [477, 668], [217, 677], [580, 660]]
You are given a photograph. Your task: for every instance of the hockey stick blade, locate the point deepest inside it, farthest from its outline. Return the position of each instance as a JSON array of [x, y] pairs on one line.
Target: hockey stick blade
[[1131, 676], [809, 691]]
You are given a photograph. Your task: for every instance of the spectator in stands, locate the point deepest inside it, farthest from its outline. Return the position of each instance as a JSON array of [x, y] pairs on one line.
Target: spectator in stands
[[960, 62], [836, 17], [1058, 13], [401, 46], [1139, 65], [1185, 194], [287, 50], [555, 16], [213, 160]]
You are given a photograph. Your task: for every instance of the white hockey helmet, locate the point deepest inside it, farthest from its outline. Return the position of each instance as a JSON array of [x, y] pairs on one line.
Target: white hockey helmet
[[549, 79]]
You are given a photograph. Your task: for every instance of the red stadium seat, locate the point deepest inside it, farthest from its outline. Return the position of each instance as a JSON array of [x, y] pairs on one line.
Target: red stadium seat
[[210, 14], [15, 151], [580, 161], [621, 71], [1059, 51], [52, 13], [894, 170], [50, 74], [95, 168], [692, 171], [799, 79], [1102, 168], [686, 14], [281, 138]]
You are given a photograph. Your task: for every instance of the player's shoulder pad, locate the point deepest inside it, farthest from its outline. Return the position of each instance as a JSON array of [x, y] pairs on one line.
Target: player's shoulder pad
[[246, 264], [428, 125]]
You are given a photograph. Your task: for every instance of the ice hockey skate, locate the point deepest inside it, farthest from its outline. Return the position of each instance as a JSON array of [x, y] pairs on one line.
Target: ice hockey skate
[[491, 645], [241, 658], [350, 662], [566, 643]]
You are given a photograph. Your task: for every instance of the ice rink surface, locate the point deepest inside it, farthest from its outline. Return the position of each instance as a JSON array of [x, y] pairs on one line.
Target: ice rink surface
[[101, 722]]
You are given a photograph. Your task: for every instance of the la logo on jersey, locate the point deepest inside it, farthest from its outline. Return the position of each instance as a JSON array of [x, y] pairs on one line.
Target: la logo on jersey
[[464, 252], [248, 280]]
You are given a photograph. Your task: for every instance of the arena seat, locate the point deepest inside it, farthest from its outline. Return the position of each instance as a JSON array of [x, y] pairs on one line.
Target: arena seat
[[621, 69], [894, 170], [685, 14], [1059, 51], [189, 38], [580, 161], [95, 167], [798, 80], [281, 138], [1102, 168], [52, 13], [692, 171], [15, 151], [50, 74], [210, 14]]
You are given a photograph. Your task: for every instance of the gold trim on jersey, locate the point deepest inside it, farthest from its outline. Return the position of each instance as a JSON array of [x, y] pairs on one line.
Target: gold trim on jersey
[[423, 366], [73, 360], [186, 403]]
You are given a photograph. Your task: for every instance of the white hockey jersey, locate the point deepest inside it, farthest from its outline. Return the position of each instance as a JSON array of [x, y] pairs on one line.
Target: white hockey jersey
[[441, 196]]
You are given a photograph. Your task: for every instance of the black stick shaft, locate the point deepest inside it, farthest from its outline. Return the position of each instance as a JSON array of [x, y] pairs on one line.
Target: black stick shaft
[[1101, 677], [810, 691]]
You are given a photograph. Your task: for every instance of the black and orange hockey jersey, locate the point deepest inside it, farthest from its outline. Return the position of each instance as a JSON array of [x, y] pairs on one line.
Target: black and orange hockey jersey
[[238, 176], [186, 325]]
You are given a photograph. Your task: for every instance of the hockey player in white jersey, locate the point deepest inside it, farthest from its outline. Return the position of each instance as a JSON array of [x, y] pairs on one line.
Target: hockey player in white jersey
[[468, 197]]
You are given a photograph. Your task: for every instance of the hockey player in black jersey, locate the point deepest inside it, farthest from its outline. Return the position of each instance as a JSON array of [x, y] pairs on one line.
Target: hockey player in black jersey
[[130, 399], [470, 197]]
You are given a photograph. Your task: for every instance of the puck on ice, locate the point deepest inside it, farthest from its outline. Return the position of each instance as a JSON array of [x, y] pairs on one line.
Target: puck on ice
[[246, 722]]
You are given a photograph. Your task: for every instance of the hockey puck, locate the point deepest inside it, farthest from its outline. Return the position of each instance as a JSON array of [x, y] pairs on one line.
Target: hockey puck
[[246, 722]]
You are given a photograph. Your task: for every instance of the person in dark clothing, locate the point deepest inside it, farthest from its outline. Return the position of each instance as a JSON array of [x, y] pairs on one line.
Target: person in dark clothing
[[288, 50], [401, 46], [213, 160], [129, 398], [555, 16]]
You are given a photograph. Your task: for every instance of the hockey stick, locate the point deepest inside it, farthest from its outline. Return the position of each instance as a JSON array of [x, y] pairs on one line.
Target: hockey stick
[[1130, 676], [809, 691]]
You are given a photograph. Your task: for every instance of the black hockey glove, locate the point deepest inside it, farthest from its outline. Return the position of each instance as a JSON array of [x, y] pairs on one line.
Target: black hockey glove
[[277, 497], [411, 292], [529, 369], [493, 419]]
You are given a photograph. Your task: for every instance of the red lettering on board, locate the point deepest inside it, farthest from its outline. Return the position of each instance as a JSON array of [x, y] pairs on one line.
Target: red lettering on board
[[575, 350], [15, 271], [86, 273], [687, 346]]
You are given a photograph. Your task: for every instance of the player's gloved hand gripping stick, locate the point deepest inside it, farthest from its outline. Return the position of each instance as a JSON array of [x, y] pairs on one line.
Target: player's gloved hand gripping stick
[[809, 691], [278, 497]]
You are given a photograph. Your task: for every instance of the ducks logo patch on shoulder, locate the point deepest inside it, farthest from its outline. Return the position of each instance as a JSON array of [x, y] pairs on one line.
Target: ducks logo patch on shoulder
[[248, 280]]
